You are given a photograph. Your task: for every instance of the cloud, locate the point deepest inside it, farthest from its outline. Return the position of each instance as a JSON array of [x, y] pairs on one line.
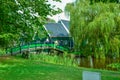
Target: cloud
[[61, 6]]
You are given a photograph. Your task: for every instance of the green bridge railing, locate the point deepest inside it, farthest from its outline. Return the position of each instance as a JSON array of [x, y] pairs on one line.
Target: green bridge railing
[[35, 46]]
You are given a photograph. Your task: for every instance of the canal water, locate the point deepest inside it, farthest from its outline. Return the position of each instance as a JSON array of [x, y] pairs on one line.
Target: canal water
[[97, 63]]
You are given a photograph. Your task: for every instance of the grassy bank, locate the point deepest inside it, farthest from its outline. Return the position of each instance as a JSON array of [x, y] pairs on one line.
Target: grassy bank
[[22, 69]]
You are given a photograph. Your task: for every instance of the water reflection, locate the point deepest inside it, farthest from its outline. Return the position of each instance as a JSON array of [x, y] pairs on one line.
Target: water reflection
[[96, 63]]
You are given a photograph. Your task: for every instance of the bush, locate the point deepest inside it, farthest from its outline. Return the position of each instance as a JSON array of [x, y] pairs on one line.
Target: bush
[[114, 66], [53, 59], [2, 52]]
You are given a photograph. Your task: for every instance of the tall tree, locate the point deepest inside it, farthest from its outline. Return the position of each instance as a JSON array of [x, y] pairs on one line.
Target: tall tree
[[23, 19], [96, 28]]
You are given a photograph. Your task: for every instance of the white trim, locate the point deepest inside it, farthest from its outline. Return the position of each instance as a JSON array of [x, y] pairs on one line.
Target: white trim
[[46, 30], [65, 27]]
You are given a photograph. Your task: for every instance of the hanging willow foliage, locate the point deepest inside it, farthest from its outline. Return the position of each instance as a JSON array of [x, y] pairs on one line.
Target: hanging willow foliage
[[96, 28]]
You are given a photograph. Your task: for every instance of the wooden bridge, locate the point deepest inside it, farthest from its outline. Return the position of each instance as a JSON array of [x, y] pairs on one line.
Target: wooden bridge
[[34, 47]]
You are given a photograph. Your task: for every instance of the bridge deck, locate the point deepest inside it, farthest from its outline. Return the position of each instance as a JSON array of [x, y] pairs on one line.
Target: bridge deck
[[34, 47]]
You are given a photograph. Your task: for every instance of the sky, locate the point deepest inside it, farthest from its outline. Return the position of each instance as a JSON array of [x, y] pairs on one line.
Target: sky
[[61, 6]]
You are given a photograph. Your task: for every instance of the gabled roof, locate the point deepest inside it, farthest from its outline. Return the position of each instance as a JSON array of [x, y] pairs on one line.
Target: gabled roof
[[56, 30], [66, 23]]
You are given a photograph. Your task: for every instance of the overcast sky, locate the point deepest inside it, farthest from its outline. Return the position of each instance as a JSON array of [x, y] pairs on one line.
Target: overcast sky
[[61, 6]]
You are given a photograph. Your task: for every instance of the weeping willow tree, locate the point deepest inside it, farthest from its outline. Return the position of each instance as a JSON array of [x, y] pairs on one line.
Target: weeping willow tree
[[95, 28]]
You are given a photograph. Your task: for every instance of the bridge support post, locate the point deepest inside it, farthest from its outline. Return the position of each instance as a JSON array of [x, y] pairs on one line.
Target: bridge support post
[[25, 54]]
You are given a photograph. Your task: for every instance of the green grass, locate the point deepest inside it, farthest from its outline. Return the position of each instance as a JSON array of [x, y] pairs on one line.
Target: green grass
[[23, 69]]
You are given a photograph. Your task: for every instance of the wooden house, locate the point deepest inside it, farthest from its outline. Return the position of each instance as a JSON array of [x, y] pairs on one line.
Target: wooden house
[[59, 34]]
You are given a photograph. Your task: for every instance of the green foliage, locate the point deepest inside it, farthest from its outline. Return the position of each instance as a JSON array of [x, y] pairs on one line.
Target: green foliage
[[96, 28], [23, 19], [105, 1], [2, 52], [96, 1], [67, 9], [114, 66], [44, 57]]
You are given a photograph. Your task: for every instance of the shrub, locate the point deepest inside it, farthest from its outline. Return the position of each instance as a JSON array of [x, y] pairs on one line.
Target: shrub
[[53, 59], [2, 51], [114, 66]]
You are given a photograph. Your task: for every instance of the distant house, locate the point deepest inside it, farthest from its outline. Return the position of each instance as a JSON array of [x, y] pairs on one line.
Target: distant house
[[59, 32]]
